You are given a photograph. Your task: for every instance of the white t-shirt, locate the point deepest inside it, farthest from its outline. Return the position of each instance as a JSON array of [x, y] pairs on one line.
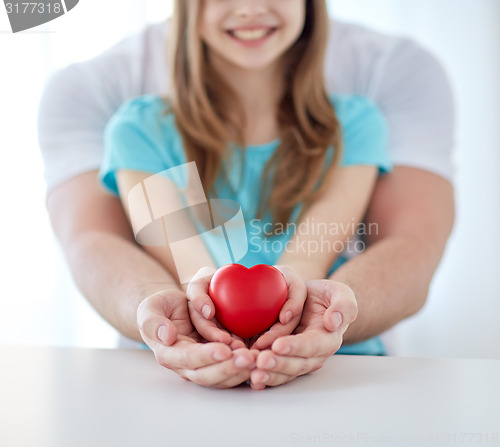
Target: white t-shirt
[[404, 80]]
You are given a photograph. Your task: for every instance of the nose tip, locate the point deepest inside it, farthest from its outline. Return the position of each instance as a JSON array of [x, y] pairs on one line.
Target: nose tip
[[251, 8]]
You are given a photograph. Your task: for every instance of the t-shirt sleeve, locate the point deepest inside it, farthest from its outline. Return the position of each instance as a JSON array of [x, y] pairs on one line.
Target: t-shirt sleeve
[[413, 92], [364, 133], [71, 118], [77, 102], [133, 140]]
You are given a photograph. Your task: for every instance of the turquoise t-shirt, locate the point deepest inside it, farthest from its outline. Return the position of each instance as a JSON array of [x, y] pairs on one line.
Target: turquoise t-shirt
[[140, 138]]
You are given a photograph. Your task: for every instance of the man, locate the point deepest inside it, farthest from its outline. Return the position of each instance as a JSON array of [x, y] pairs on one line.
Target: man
[[412, 207]]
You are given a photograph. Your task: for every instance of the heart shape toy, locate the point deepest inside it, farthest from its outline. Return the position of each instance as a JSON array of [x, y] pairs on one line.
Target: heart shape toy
[[248, 301]]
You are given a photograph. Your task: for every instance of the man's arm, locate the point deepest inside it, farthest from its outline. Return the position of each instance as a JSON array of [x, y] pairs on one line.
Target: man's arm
[[414, 213], [113, 273], [413, 206], [131, 290]]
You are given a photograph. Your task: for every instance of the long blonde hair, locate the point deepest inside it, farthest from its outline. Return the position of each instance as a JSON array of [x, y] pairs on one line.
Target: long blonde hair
[[200, 99]]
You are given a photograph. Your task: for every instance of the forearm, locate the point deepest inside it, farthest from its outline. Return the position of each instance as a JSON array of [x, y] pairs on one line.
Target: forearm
[[330, 223], [390, 281], [304, 266], [115, 276]]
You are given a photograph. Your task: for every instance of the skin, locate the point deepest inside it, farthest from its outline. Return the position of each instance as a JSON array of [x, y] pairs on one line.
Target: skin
[[249, 70], [285, 17]]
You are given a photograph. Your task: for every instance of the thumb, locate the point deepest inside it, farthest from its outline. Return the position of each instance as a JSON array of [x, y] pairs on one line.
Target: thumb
[[153, 319], [197, 292], [343, 307]]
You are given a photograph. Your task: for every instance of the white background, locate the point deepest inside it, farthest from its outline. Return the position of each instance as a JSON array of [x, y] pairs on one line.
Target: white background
[[40, 305]]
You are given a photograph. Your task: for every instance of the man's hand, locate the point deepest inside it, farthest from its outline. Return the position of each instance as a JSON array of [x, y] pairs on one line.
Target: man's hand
[[165, 326], [329, 309]]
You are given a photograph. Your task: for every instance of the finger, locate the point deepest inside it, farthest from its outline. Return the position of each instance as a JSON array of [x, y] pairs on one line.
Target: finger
[[338, 298], [208, 329], [290, 313], [242, 376], [153, 322], [237, 343], [257, 386], [235, 380], [237, 337], [343, 308], [290, 366], [310, 343], [197, 292], [276, 331], [256, 353], [186, 354], [230, 370], [260, 379], [297, 293]]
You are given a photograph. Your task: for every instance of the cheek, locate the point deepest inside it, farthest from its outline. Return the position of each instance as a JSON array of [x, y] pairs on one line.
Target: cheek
[[211, 23], [208, 32], [296, 20]]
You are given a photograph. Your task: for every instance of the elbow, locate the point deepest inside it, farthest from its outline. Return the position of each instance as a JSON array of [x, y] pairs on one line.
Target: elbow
[[416, 302]]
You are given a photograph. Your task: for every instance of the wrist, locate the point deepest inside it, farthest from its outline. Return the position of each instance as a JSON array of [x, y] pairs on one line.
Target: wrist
[[151, 288], [165, 290], [306, 269]]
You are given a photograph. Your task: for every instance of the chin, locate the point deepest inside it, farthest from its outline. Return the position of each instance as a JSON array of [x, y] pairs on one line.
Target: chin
[[252, 65]]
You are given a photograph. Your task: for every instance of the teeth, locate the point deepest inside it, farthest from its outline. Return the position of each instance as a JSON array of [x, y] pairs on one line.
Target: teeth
[[250, 34]]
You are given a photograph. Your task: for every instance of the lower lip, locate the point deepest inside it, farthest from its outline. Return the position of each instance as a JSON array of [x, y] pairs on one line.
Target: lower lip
[[254, 42]]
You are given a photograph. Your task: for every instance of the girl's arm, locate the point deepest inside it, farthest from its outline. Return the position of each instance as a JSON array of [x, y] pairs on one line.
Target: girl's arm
[[197, 257], [194, 253], [330, 222]]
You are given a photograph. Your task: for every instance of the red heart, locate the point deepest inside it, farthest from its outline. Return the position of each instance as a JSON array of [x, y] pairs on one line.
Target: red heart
[[248, 301]]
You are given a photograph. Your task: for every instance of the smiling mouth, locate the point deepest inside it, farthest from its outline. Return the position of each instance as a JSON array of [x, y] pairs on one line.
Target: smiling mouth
[[249, 35]]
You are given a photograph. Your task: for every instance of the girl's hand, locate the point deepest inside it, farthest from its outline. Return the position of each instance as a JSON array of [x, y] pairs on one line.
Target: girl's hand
[[290, 313], [202, 311]]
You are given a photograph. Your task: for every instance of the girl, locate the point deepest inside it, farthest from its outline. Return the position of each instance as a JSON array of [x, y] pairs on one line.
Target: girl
[[247, 104]]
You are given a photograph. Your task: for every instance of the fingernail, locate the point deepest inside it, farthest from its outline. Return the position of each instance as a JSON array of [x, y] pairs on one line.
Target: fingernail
[[205, 310], [241, 362], [270, 364], [163, 333], [288, 316], [265, 378], [219, 356], [286, 350], [336, 319]]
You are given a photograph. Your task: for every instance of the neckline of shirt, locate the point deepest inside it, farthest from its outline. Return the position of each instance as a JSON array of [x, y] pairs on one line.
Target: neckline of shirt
[[263, 146]]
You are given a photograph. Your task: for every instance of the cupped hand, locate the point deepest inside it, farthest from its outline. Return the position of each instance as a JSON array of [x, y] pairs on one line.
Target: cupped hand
[[165, 326], [202, 310], [329, 309], [291, 312]]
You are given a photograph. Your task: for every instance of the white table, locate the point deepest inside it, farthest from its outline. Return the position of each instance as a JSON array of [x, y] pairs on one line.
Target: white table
[[71, 397]]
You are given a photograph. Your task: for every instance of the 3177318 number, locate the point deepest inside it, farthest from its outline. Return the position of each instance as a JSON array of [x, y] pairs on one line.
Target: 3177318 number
[[33, 8]]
